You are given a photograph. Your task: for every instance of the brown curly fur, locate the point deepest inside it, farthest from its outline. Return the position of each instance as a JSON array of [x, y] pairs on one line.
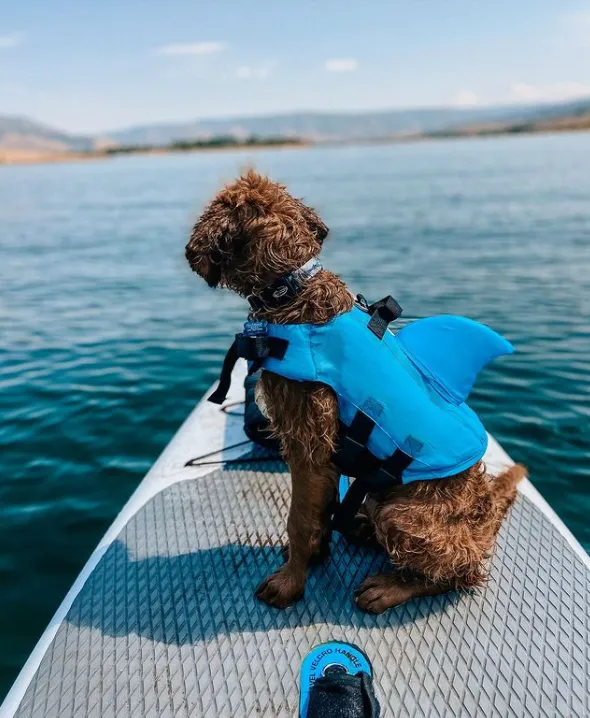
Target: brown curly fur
[[439, 533]]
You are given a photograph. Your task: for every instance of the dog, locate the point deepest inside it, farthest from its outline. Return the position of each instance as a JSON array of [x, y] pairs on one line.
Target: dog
[[438, 533]]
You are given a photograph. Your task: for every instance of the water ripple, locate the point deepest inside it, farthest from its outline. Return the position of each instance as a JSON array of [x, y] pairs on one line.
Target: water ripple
[[108, 341]]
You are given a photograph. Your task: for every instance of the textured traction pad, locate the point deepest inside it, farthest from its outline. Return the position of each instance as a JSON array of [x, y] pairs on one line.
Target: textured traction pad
[[167, 624]]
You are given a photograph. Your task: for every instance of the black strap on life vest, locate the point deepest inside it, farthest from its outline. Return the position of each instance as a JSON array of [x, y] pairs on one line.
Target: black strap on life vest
[[372, 474], [258, 347], [252, 348], [218, 396]]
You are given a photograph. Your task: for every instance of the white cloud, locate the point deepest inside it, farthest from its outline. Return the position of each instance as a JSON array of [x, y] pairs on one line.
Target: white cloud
[[9, 41], [556, 92], [245, 72], [348, 64], [192, 48], [466, 98]]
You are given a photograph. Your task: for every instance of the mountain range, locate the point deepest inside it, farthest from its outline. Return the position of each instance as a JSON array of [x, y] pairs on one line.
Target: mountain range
[[343, 126], [19, 133]]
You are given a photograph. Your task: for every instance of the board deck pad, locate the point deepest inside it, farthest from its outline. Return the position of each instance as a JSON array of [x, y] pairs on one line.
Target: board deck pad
[[167, 624]]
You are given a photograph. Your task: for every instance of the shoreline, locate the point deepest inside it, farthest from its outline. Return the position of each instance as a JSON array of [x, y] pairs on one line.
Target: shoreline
[[31, 157], [459, 134]]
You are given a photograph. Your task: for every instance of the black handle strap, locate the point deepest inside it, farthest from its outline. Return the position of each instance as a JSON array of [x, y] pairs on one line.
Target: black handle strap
[[382, 313], [341, 695]]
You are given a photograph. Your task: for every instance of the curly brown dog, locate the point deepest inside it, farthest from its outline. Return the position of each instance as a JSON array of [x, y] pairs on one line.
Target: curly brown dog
[[438, 533]]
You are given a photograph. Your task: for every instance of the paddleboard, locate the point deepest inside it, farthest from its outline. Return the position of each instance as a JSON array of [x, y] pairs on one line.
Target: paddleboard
[[162, 620]]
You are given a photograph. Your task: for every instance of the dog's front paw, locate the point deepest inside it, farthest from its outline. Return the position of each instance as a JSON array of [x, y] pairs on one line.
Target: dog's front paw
[[281, 589]]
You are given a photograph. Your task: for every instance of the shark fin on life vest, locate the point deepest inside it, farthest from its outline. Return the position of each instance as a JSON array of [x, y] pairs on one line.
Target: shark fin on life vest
[[452, 350]]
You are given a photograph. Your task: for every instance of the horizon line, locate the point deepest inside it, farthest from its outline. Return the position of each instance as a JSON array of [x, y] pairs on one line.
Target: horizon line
[[286, 113]]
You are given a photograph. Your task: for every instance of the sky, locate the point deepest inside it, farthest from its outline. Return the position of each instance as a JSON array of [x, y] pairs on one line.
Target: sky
[[91, 67]]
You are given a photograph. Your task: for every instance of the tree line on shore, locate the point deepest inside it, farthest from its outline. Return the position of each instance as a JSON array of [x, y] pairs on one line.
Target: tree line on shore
[[209, 143]]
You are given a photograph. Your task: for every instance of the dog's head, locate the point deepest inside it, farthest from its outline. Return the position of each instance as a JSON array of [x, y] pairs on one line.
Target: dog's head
[[253, 232]]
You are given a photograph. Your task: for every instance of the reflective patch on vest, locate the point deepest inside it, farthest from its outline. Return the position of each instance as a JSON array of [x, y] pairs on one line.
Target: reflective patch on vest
[[413, 446], [372, 408]]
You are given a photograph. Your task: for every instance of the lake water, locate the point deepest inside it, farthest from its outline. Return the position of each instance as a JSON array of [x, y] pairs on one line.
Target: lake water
[[107, 340]]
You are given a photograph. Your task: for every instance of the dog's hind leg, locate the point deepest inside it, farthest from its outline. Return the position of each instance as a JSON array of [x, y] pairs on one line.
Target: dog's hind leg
[[442, 539], [314, 491]]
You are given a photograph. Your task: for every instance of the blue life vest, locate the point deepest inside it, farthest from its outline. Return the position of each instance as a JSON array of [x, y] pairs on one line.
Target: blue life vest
[[411, 386]]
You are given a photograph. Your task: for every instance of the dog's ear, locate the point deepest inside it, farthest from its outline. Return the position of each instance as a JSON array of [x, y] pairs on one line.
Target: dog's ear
[[314, 223], [203, 253]]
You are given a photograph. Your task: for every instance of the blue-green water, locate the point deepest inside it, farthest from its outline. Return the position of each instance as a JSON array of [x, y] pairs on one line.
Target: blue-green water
[[107, 340]]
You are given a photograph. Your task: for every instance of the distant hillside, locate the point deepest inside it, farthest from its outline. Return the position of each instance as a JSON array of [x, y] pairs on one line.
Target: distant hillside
[[574, 108], [338, 126], [569, 116], [315, 126], [22, 134], [22, 139]]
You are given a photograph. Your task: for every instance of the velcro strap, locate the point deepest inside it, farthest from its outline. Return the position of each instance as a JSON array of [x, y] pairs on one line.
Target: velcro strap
[[254, 348], [382, 313]]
